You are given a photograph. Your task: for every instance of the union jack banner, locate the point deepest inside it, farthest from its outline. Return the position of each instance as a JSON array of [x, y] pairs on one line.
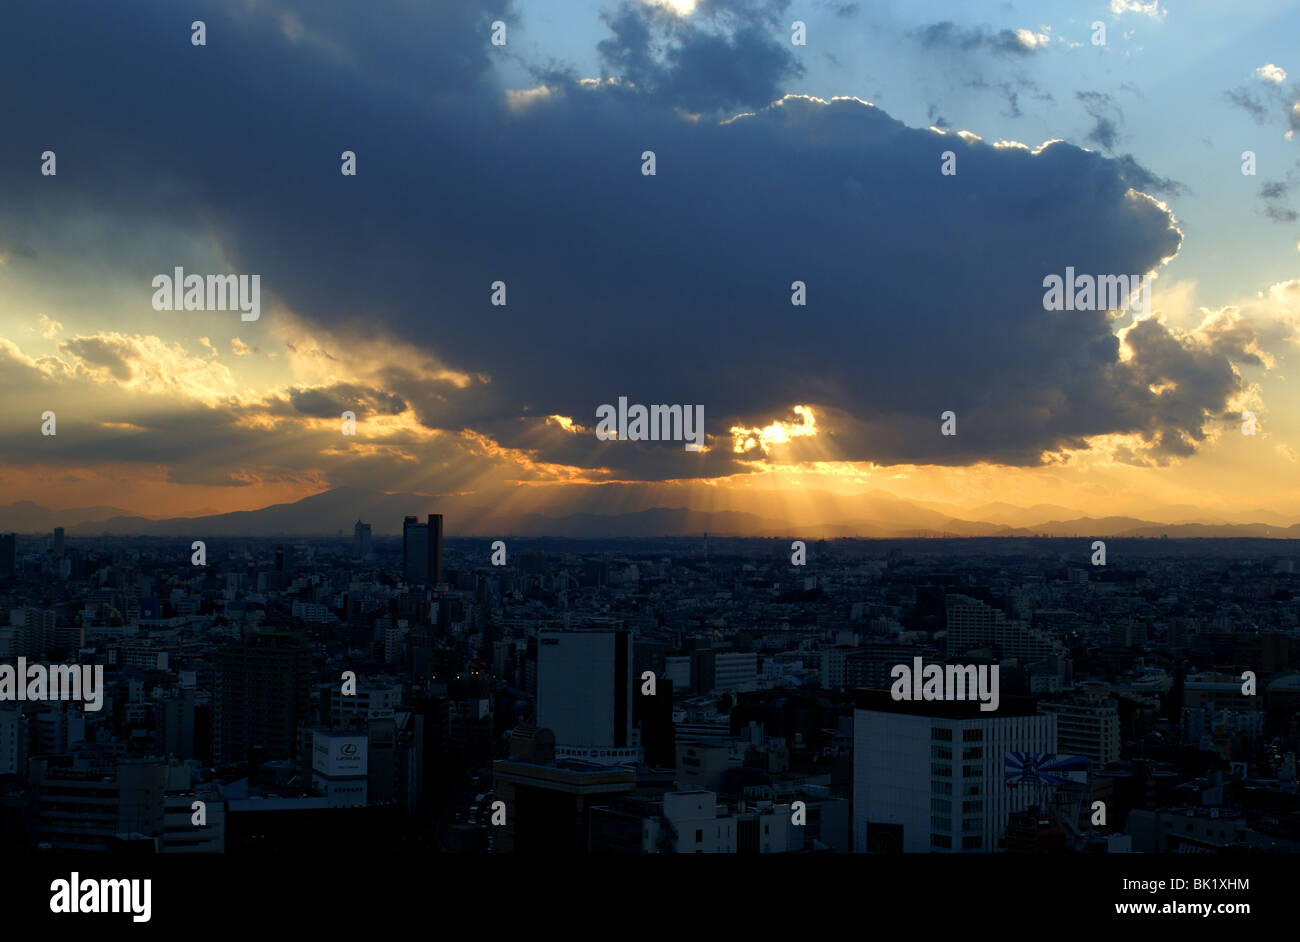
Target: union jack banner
[[1044, 768]]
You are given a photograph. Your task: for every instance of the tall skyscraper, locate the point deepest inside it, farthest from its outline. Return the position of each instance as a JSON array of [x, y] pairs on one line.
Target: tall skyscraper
[[584, 688], [422, 549], [435, 548], [361, 540], [260, 697], [415, 550], [929, 776], [58, 541]]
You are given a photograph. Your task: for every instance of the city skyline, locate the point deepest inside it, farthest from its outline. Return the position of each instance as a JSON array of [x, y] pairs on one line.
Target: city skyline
[[442, 438]]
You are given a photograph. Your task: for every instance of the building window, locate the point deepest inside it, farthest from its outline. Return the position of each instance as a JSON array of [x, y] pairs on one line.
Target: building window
[[972, 735], [699, 835], [940, 824], [940, 788], [969, 807], [974, 788], [940, 840], [972, 771], [942, 770], [973, 752], [972, 843], [941, 752], [941, 733], [941, 805]]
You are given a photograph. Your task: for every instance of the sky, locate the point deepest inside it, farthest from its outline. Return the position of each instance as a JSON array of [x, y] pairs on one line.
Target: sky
[[775, 163]]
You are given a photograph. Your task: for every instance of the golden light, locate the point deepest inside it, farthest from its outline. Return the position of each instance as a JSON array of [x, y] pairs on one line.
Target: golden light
[[778, 433]]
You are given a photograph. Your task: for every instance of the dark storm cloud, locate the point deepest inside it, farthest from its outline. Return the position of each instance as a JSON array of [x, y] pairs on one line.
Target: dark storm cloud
[[329, 403], [1141, 178], [947, 35], [924, 291], [672, 60]]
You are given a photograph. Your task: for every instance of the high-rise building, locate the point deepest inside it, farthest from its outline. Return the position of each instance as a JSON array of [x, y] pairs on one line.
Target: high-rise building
[[434, 556], [80, 810], [15, 740], [424, 736], [415, 550], [654, 717], [339, 766], [1087, 725], [870, 664], [260, 697], [703, 670], [8, 554], [735, 670], [36, 629], [929, 776], [548, 806], [422, 549], [373, 699], [975, 624], [832, 665], [58, 541], [175, 719], [361, 540], [584, 688], [971, 624]]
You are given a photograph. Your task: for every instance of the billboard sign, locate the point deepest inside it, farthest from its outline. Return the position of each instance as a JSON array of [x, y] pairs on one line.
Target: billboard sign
[[339, 756], [1044, 768]]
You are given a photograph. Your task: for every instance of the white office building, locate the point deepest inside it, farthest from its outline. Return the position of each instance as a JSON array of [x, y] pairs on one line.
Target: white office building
[[339, 767], [694, 821], [584, 688], [928, 775], [735, 671]]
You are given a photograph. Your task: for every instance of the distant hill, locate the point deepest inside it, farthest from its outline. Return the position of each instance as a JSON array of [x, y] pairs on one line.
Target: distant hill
[[27, 517], [875, 515]]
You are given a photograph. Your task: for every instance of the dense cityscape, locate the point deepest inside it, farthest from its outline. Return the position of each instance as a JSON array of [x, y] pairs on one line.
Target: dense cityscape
[[680, 695]]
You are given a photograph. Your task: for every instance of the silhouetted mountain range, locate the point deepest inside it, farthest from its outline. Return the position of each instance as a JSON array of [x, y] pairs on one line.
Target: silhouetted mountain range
[[875, 514]]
